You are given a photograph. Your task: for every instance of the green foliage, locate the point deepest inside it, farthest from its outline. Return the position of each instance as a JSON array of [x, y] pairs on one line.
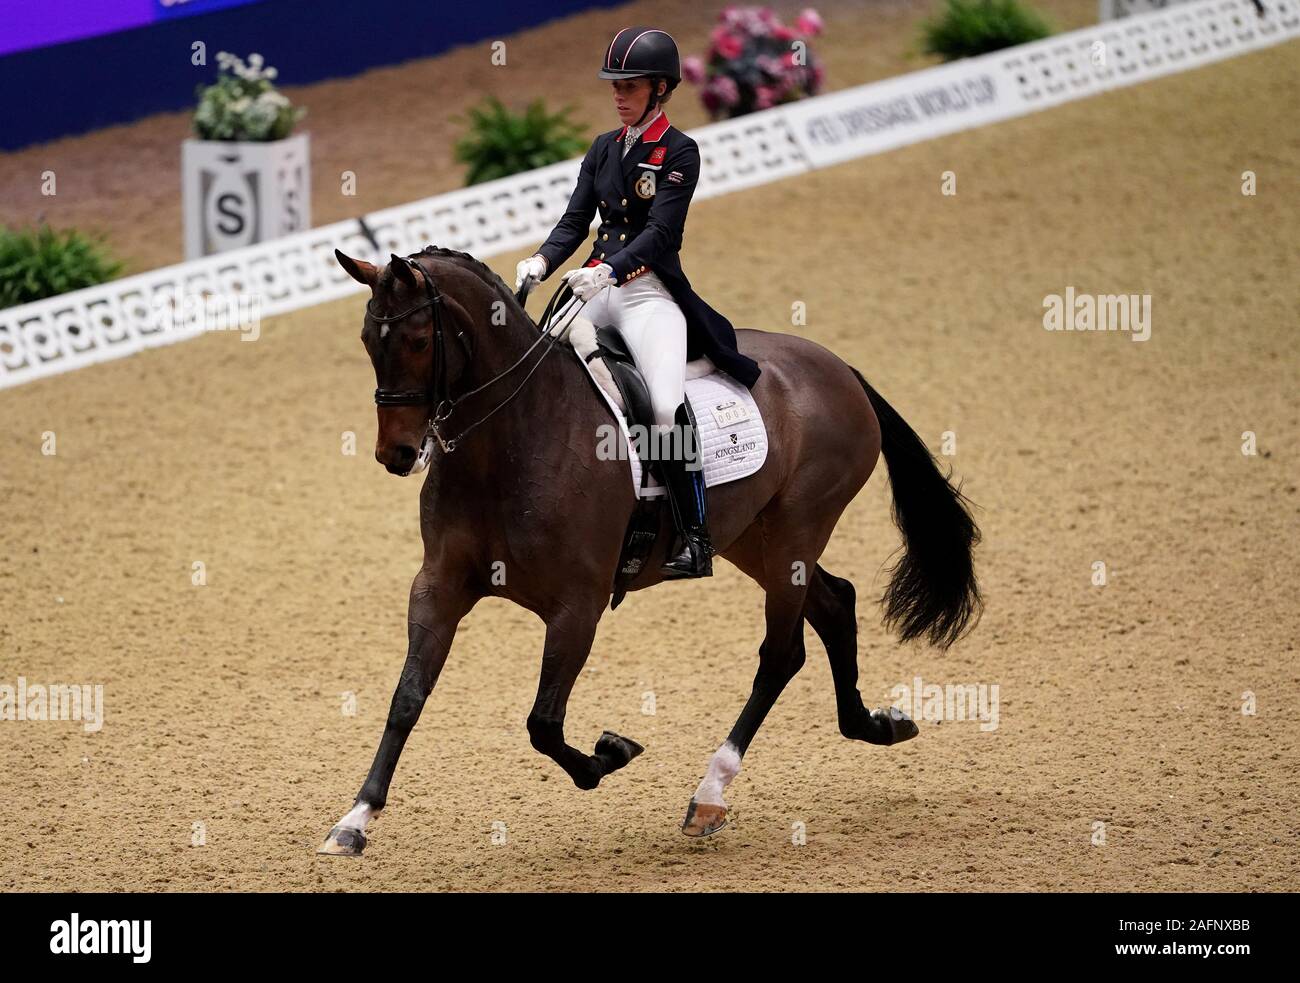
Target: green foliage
[[243, 103], [500, 143], [975, 27], [39, 263]]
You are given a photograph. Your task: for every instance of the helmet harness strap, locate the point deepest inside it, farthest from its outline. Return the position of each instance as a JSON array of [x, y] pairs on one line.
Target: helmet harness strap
[[652, 102]]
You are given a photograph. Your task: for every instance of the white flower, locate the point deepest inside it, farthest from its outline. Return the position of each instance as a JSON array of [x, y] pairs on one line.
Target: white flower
[[259, 120]]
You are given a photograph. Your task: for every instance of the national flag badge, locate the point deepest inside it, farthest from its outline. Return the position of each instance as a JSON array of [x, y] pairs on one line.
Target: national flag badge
[[657, 155]]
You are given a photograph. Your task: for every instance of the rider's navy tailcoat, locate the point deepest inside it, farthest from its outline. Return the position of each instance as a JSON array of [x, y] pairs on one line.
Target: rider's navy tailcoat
[[643, 199]]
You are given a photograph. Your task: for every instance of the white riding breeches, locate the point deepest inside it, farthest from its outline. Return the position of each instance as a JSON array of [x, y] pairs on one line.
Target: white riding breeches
[[655, 329]]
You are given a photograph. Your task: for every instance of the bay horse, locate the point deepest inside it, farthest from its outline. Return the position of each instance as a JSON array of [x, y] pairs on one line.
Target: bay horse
[[517, 487]]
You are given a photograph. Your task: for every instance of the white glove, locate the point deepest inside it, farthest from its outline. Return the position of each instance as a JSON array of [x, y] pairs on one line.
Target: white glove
[[588, 281], [534, 266]]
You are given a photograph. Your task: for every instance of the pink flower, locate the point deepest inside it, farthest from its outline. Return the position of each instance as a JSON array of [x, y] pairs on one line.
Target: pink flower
[[693, 69], [725, 88], [783, 33], [726, 44], [810, 22], [764, 97], [730, 15], [752, 22]]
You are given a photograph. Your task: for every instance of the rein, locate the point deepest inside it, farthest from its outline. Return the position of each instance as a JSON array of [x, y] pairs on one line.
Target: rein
[[437, 395]]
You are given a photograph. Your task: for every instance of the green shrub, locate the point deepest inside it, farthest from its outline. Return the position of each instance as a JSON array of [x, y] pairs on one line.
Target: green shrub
[[501, 143], [39, 263], [975, 27]]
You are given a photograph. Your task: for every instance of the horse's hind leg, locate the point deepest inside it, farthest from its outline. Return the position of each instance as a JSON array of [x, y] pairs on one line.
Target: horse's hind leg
[[831, 610], [568, 642]]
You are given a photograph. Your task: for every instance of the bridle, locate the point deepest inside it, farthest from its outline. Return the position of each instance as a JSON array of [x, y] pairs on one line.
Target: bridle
[[437, 395]]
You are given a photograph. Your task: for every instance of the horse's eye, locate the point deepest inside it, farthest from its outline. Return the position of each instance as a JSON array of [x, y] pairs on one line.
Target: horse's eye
[[419, 343]]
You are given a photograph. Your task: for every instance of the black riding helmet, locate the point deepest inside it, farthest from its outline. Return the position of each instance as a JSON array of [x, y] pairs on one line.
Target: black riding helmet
[[640, 52]]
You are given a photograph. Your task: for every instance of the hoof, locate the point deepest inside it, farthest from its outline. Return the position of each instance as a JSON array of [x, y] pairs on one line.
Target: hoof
[[892, 726], [343, 843], [616, 751], [703, 820]]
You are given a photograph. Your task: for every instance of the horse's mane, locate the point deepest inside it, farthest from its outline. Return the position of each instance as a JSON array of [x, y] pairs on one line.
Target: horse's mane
[[484, 272]]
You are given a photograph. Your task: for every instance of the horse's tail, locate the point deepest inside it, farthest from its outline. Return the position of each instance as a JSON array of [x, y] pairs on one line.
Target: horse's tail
[[932, 589]]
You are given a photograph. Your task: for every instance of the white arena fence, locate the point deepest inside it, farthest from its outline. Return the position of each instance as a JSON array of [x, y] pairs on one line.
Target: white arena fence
[[1114, 9], [164, 306]]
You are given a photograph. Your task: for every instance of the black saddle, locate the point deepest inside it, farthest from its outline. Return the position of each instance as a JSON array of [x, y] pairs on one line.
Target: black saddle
[[614, 349], [643, 526]]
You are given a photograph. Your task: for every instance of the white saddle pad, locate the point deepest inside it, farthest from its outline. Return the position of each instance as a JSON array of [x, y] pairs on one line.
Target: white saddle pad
[[729, 427]]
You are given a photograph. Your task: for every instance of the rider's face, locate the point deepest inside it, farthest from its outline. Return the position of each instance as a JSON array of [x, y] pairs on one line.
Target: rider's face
[[630, 98]]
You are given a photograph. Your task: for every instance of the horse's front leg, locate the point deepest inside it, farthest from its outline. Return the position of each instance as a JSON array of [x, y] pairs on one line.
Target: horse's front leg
[[568, 642], [434, 613]]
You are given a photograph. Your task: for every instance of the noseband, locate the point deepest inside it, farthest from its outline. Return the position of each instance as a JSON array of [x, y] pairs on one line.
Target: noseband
[[437, 395]]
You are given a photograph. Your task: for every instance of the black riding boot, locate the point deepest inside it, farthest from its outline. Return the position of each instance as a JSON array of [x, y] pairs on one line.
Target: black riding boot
[[686, 494]]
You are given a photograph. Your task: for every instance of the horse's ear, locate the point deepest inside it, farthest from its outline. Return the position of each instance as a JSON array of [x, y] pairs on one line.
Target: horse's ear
[[358, 269], [402, 270]]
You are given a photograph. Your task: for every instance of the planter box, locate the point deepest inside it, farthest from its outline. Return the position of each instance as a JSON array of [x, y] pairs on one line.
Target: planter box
[[236, 194]]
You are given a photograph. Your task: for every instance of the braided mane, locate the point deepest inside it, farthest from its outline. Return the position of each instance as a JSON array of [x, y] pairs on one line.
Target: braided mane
[[483, 271]]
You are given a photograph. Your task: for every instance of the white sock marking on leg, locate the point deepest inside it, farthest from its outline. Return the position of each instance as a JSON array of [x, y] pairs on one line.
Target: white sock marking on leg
[[723, 767], [358, 818]]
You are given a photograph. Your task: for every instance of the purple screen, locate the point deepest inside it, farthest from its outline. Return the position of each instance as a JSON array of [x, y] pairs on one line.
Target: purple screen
[[36, 23]]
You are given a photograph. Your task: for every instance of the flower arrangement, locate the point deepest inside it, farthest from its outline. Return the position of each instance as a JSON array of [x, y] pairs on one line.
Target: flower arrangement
[[756, 62], [243, 103]]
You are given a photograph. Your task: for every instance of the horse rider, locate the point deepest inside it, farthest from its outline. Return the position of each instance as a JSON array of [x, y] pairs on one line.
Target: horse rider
[[641, 177]]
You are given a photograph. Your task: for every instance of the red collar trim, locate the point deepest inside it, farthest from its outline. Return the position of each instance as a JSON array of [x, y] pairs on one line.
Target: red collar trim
[[656, 132], [657, 129]]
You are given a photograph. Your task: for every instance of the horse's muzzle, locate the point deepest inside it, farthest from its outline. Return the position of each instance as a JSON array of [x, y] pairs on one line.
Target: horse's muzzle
[[398, 460], [405, 459]]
